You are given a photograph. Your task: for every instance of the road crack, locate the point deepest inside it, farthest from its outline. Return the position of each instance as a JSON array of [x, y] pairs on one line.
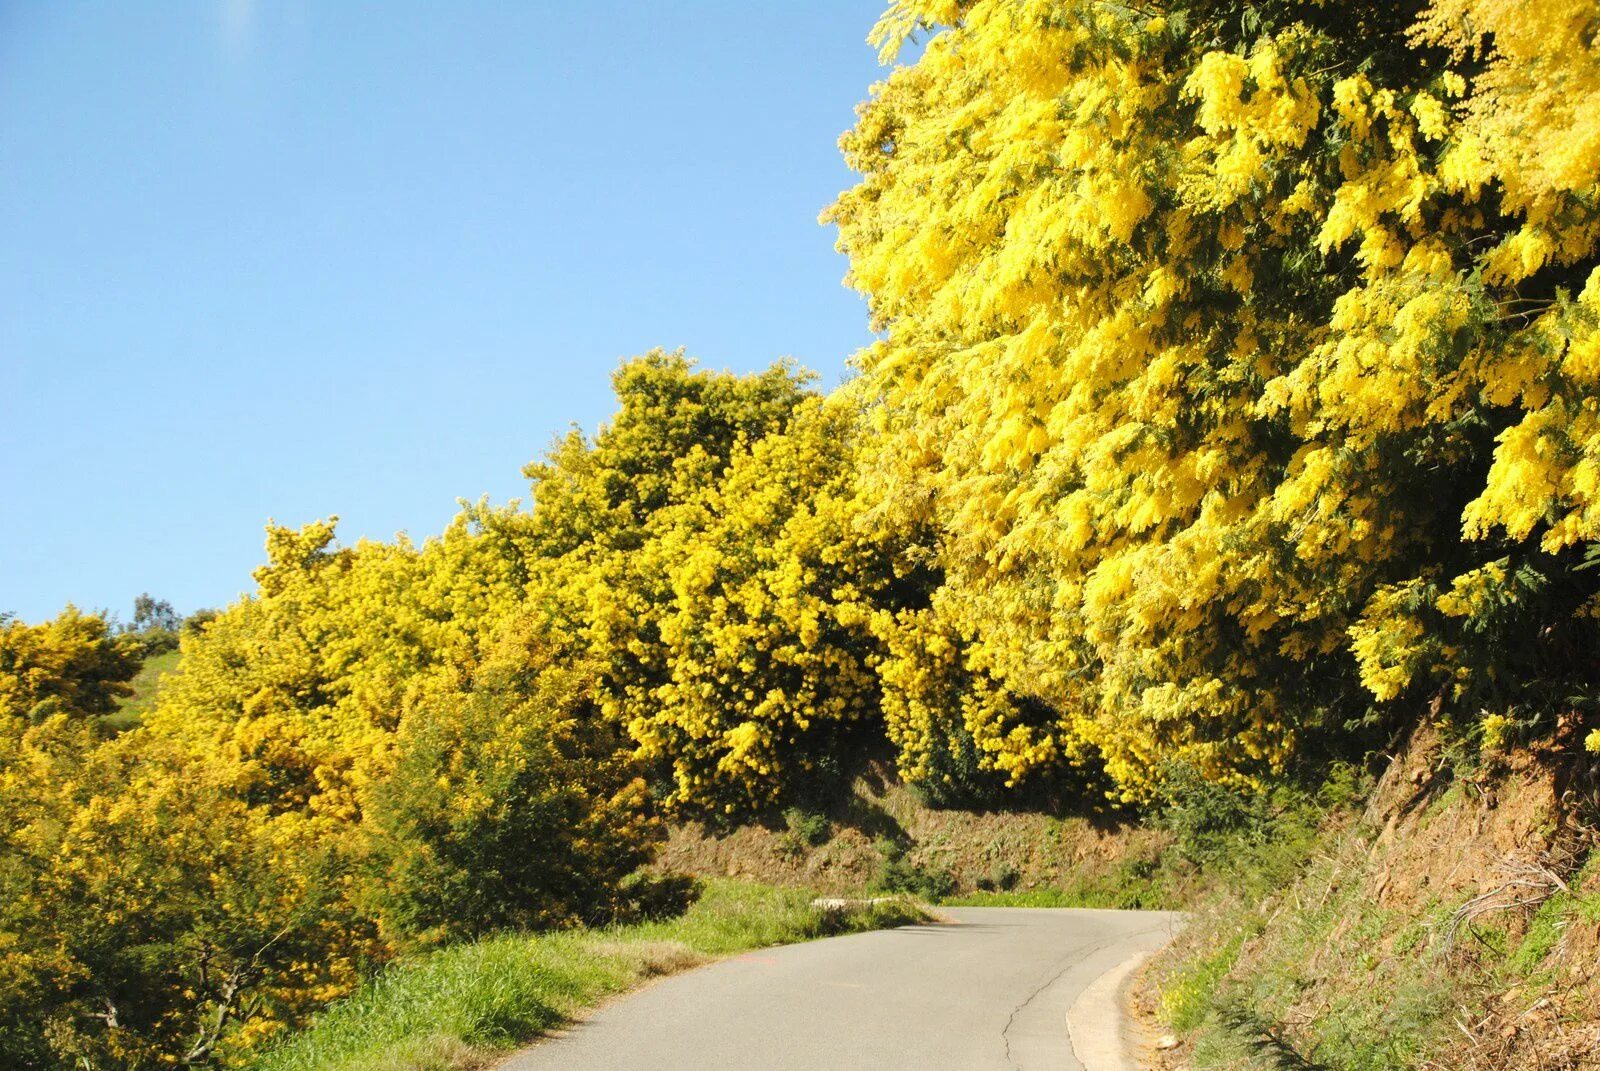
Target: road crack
[[1081, 955]]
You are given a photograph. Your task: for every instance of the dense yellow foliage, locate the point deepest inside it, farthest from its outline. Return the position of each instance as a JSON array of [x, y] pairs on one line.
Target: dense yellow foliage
[[372, 752], [1232, 351], [757, 616], [66, 665]]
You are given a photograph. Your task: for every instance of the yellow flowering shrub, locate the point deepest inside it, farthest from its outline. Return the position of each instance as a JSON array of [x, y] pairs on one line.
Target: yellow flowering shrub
[[760, 631], [710, 547], [71, 664], [367, 753], [1227, 353]]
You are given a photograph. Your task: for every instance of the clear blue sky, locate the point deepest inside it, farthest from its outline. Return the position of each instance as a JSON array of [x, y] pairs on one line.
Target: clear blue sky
[[292, 259]]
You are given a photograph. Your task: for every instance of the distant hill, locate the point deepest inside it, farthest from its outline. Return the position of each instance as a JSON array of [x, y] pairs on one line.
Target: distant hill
[[131, 710]]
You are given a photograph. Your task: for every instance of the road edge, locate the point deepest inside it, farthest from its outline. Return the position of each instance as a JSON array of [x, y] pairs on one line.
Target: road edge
[[1098, 1025]]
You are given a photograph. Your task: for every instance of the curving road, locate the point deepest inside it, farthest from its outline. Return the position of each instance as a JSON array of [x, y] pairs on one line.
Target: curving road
[[989, 990]]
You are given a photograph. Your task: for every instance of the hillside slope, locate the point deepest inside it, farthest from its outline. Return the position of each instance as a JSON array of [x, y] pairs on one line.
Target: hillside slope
[[132, 708], [1454, 923], [883, 835]]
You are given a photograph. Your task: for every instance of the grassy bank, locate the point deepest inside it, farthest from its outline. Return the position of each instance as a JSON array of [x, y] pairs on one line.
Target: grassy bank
[[1451, 919], [461, 1007], [879, 834]]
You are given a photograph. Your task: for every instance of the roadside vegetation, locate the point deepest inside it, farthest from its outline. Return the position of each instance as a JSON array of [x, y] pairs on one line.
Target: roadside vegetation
[[1235, 411], [1449, 920], [463, 1006]]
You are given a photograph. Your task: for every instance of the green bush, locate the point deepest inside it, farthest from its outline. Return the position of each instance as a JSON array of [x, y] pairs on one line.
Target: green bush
[[1207, 820], [513, 808], [655, 897], [897, 873], [1002, 878], [807, 829]]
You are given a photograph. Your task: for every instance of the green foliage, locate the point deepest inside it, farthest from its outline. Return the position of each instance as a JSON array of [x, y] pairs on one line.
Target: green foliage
[[1252, 839], [154, 615], [808, 828], [1209, 820], [1578, 903], [898, 873], [510, 806], [652, 897]]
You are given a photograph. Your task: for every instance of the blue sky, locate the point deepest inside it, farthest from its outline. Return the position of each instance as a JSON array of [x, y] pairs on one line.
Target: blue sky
[[292, 259]]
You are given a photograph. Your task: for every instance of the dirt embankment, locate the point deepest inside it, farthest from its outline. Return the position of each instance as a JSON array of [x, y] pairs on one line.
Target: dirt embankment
[[849, 845], [1455, 924]]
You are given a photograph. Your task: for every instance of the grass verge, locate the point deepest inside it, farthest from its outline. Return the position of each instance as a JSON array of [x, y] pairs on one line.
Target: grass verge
[[461, 1007]]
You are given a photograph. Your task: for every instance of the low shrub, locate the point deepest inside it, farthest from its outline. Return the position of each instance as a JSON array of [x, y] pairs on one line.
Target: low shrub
[[898, 873], [1003, 878]]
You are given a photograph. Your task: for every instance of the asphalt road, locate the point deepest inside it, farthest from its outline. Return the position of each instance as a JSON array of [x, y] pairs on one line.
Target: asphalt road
[[987, 991]]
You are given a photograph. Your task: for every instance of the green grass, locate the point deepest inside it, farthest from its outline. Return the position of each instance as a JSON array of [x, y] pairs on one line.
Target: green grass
[[1133, 894], [1188, 998], [460, 1007], [1024, 898], [1577, 903], [132, 708]]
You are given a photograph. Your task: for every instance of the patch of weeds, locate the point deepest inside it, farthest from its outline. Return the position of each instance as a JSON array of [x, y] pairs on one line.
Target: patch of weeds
[[1294, 964], [1494, 940], [1411, 939], [806, 830], [1139, 882], [1543, 933], [1382, 1028], [1380, 1002], [1586, 901], [897, 873], [1002, 877]]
